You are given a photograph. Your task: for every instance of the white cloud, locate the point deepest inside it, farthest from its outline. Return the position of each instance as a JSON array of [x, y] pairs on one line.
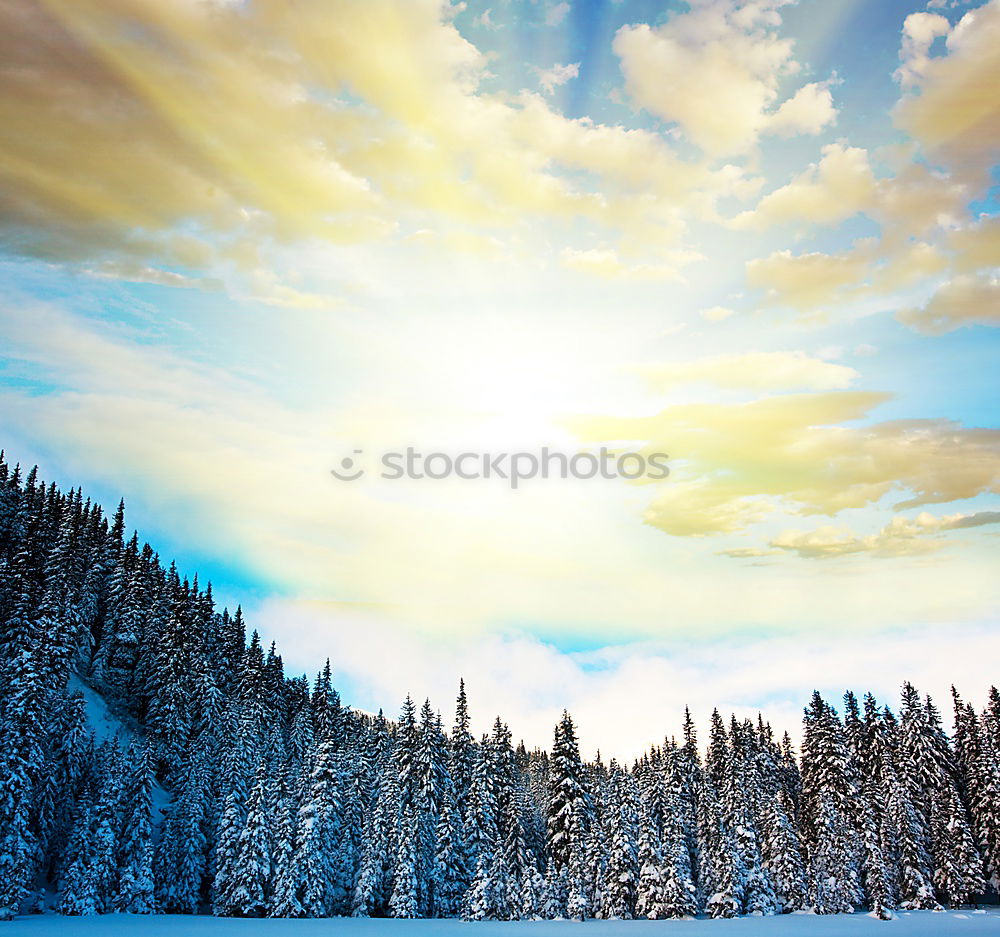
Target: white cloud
[[485, 20], [556, 14], [623, 698], [808, 111], [919, 32], [551, 78]]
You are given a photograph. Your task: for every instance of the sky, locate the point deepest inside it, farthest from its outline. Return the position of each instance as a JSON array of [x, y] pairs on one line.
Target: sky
[[241, 242]]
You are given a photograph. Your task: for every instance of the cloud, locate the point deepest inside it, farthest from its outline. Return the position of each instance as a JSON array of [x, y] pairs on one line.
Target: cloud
[[464, 560], [716, 313], [919, 32], [809, 281], [135, 272], [965, 300], [809, 111], [715, 72], [977, 246], [528, 681], [243, 130], [839, 186], [946, 109], [817, 282], [551, 78], [902, 536], [762, 370], [485, 20], [734, 464], [608, 264], [556, 13]]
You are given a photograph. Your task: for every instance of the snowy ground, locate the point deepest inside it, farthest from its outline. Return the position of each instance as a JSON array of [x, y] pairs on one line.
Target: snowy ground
[[913, 924]]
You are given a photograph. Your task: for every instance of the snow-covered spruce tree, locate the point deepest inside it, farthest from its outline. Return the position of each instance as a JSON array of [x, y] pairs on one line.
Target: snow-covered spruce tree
[[723, 870], [742, 797], [136, 893], [250, 894], [23, 763], [373, 888], [904, 836], [284, 897], [232, 821], [924, 748], [78, 889], [403, 902], [985, 807], [450, 873], [318, 824], [621, 874], [869, 822], [978, 764], [782, 854], [432, 781], [179, 860], [569, 813], [829, 810], [680, 896]]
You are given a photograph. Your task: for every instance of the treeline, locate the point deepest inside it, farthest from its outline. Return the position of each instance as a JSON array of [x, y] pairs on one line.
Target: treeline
[[251, 793]]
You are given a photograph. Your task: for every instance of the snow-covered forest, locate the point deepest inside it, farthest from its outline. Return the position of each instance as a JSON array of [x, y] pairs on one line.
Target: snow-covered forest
[[248, 792]]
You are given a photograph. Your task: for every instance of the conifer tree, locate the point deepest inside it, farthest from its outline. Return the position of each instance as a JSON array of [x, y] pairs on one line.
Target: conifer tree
[[403, 903], [135, 849], [251, 891]]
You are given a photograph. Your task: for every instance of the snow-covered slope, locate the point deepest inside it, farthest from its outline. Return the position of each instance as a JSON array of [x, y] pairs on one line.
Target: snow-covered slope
[[907, 924], [103, 723], [106, 725]]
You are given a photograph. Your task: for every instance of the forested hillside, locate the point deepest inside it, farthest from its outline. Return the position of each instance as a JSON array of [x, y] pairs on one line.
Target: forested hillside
[[282, 801]]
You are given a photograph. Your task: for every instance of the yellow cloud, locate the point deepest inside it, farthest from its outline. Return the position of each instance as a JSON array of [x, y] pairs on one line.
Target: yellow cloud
[[950, 109], [607, 263], [816, 282], [977, 246], [734, 464], [762, 370], [717, 313], [714, 71], [244, 127], [810, 281], [839, 186], [902, 536], [965, 300]]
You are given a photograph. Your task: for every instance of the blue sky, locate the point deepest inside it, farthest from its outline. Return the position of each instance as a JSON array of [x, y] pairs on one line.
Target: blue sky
[[240, 242]]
